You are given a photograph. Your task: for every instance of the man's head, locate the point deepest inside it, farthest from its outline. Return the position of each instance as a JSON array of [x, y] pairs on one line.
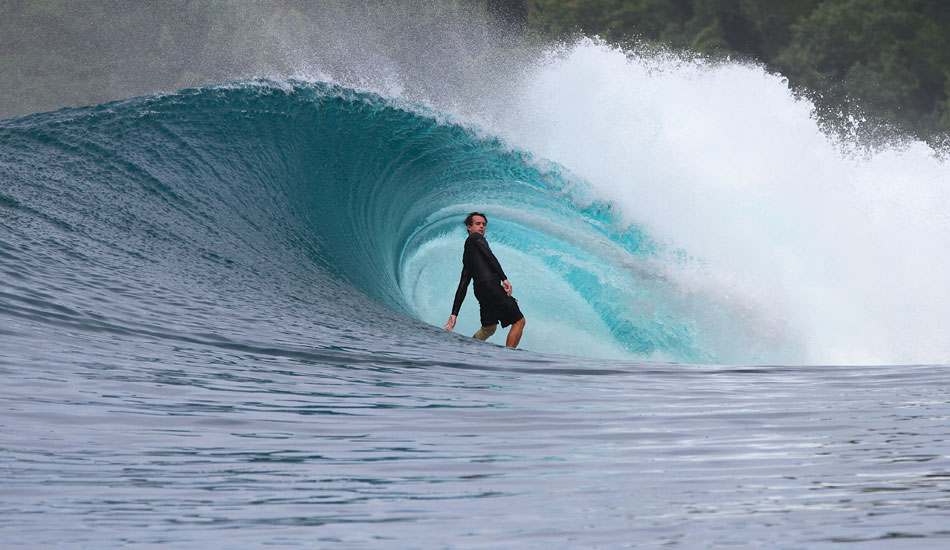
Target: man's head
[[476, 223]]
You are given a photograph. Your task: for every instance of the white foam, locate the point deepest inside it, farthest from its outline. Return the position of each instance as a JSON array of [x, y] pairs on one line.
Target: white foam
[[836, 259]]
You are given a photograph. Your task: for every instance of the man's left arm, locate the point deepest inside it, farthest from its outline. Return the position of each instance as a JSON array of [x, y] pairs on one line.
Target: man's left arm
[[483, 248]]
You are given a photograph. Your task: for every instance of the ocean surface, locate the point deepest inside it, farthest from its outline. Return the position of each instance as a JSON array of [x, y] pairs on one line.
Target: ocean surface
[[221, 309]]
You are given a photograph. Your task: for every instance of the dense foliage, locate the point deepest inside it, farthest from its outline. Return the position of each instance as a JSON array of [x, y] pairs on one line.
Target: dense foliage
[[890, 58]]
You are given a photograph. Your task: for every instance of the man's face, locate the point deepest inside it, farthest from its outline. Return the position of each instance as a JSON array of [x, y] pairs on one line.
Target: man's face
[[478, 225]]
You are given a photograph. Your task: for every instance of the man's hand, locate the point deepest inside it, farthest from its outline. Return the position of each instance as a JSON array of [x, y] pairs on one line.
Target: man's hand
[[507, 286], [450, 324]]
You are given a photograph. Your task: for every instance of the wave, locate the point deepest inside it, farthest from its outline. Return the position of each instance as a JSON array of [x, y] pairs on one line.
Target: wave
[[266, 179], [279, 191]]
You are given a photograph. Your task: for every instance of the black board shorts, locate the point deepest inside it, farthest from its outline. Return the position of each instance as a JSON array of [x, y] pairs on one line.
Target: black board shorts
[[495, 305]]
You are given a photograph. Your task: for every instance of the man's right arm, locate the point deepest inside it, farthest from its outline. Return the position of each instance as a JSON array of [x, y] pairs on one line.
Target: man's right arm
[[459, 297]]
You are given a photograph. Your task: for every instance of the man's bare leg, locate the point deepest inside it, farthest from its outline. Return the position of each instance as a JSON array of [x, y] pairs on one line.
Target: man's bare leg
[[484, 332], [514, 335]]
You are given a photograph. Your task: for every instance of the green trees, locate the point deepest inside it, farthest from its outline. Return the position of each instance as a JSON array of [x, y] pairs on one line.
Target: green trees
[[659, 20], [892, 56], [749, 27]]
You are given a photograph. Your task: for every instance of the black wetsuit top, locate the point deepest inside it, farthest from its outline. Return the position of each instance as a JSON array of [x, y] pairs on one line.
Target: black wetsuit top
[[478, 263]]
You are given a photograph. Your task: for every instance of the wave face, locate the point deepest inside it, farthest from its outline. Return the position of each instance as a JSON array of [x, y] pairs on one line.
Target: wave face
[[638, 250], [630, 245], [262, 182]]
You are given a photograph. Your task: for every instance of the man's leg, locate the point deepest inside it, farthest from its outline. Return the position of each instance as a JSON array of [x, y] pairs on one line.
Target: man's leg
[[486, 331], [514, 335]]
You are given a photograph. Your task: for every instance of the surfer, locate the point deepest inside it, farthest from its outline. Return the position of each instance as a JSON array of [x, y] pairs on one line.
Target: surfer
[[492, 289]]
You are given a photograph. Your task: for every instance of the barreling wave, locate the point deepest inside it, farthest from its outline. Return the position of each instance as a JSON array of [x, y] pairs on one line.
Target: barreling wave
[[366, 190]]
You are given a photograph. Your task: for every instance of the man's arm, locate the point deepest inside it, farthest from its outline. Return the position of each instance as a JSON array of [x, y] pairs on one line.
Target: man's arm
[[482, 246], [459, 297]]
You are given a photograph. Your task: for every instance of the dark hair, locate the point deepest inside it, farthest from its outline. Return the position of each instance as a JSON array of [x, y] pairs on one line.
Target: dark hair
[[469, 219]]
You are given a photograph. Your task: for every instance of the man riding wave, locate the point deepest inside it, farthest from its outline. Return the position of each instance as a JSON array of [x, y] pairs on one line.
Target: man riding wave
[[492, 289]]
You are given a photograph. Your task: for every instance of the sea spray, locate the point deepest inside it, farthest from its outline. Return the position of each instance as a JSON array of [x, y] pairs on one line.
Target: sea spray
[[817, 254]]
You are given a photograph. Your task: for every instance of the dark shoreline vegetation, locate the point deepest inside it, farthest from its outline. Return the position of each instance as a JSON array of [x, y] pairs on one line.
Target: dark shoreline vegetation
[[883, 63]]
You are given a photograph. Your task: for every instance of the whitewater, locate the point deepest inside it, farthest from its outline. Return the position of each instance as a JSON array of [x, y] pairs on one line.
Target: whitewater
[[221, 310]]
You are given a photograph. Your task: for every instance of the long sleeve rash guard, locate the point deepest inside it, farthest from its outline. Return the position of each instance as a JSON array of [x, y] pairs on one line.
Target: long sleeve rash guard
[[478, 263]]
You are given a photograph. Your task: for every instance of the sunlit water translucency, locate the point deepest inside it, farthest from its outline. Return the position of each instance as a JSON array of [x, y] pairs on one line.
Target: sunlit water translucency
[[220, 317]]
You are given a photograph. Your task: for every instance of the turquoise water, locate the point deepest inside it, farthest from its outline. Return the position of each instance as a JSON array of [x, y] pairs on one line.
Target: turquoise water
[[219, 326]]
